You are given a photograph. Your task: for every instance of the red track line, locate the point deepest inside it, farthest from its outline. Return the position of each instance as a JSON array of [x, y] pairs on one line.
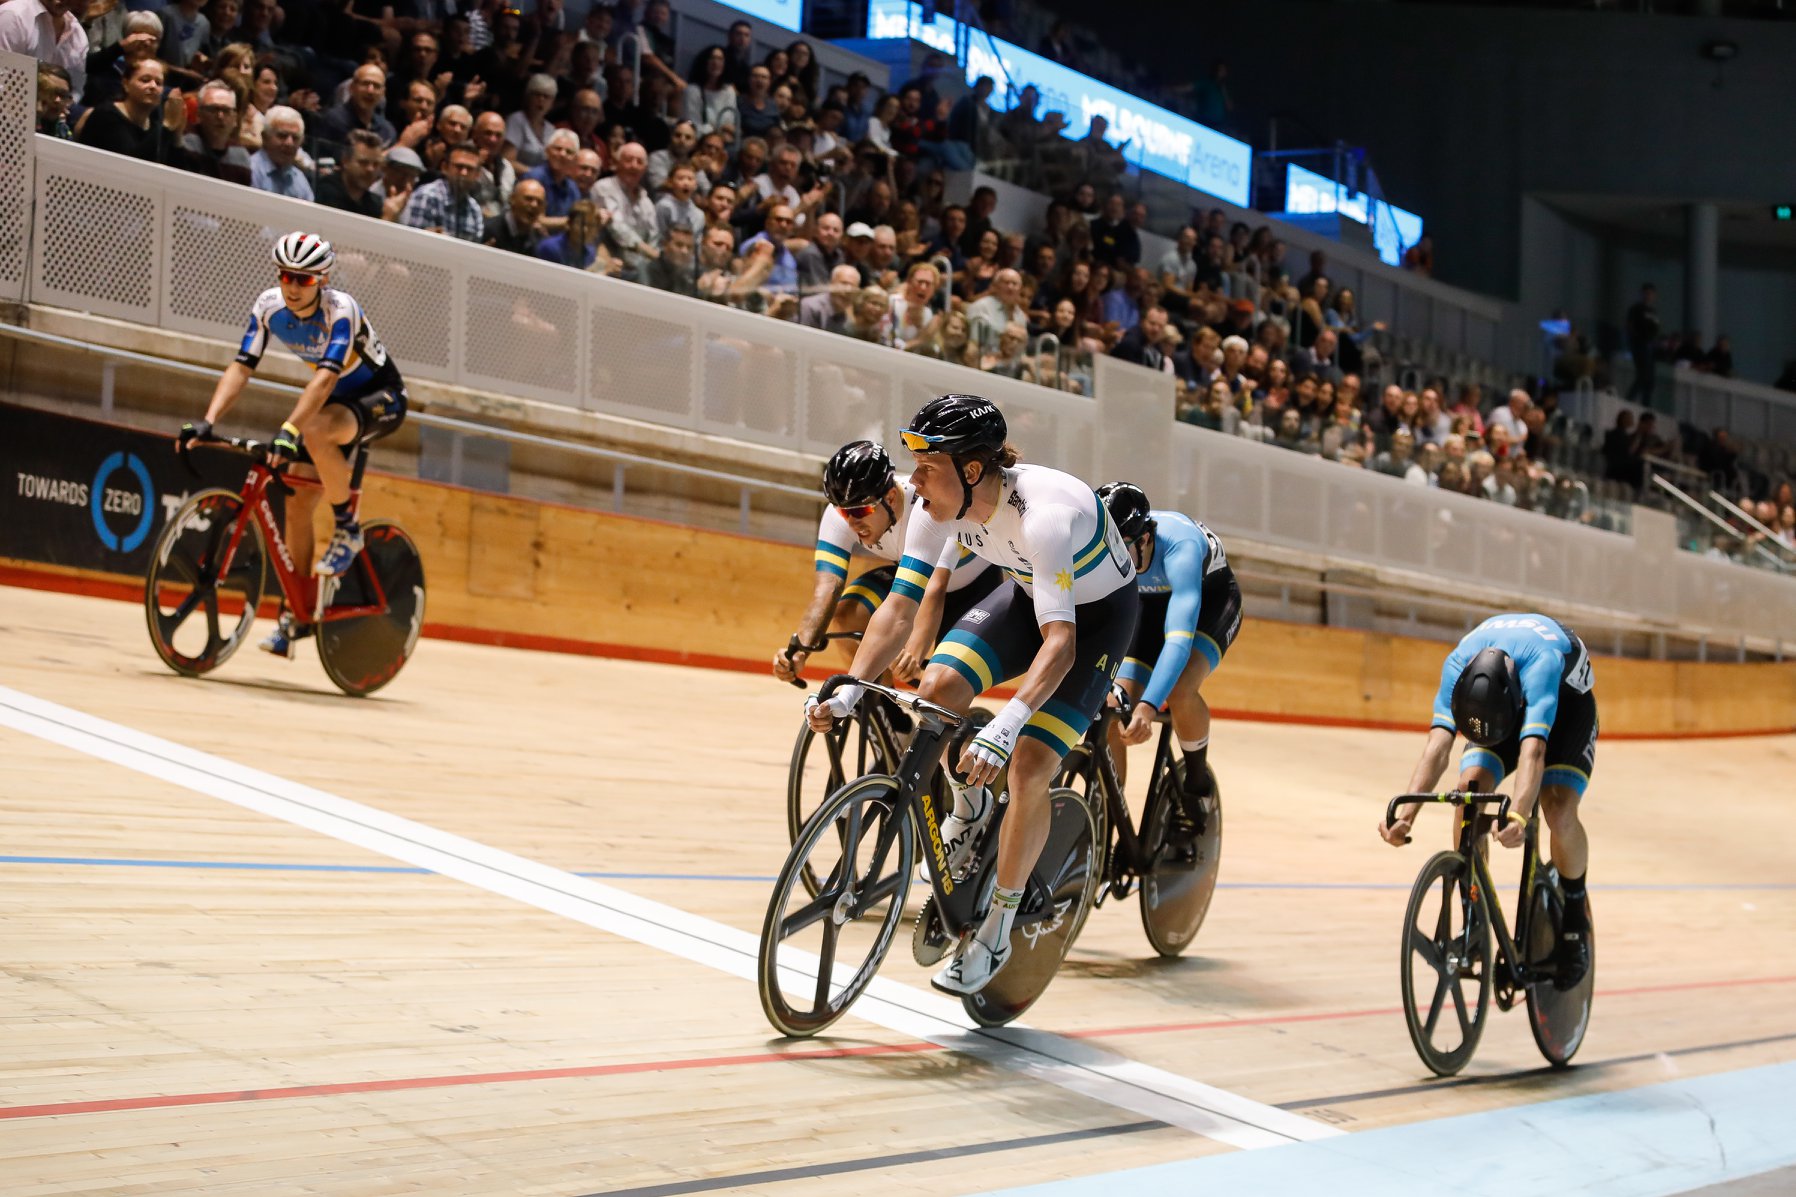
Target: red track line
[[227, 1097]]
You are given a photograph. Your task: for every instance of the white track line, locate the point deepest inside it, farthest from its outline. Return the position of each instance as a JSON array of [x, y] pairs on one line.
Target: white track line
[[1079, 1067]]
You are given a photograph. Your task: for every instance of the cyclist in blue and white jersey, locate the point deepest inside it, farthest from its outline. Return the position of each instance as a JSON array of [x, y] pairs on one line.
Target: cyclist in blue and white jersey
[[1059, 623], [1520, 689], [1190, 614], [355, 395], [869, 511]]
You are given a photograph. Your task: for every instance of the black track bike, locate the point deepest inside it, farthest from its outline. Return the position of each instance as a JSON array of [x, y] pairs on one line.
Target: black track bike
[[1175, 882], [1448, 968], [820, 951]]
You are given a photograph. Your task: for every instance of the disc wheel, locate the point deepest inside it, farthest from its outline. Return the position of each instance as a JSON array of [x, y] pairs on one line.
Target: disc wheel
[[824, 762], [929, 940], [820, 951], [197, 617], [1558, 1017], [1446, 965], [1175, 890], [363, 654], [1060, 890]]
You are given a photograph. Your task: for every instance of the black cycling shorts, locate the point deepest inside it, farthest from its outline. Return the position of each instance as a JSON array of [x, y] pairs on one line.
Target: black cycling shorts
[[997, 639], [377, 414], [1571, 745], [1218, 622]]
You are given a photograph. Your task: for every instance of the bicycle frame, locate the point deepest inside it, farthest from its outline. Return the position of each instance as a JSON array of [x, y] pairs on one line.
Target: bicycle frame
[[1127, 855], [1514, 972]]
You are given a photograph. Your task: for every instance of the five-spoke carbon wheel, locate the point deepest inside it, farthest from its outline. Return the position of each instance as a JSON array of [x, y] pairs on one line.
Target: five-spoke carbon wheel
[[1446, 964]]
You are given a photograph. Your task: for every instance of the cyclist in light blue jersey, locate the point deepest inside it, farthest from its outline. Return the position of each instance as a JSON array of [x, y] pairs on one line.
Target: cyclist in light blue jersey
[[1190, 614], [1519, 688], [355, 395]]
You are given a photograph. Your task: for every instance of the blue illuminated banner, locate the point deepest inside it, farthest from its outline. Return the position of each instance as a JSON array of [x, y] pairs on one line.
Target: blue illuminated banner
[[787, 14], [1393, 231], [1156, 140]]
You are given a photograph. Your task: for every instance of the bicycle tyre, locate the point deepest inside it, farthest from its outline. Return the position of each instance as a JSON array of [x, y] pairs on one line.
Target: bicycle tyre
[[865, 814], [860, 746], [1557, 1017], [1445, 878], [1175, 898], [1064, 873], [178, 572], [363, 654]]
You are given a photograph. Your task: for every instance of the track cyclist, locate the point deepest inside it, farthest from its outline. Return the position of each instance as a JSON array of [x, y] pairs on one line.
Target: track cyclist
[[870, 509], [1189, 601], [355, 395], [1519, 688], [1059, 622]]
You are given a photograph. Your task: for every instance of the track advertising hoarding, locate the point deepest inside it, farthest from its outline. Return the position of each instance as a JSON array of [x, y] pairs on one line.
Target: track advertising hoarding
[[1159, 141]]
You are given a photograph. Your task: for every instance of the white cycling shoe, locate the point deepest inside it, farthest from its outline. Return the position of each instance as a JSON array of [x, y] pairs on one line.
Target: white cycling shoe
[[972, 968], [959, 835]]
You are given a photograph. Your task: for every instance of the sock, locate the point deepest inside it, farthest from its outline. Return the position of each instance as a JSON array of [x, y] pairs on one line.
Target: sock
[[1577, 917], [994, 932], [345, 513], [1197, 777]]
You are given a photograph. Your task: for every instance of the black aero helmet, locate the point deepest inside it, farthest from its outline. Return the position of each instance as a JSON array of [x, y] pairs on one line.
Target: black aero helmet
[[1487, 698], [859, 472], [1128, 508], [967, 427]]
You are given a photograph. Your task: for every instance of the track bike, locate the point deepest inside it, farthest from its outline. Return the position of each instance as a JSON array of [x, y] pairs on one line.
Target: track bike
[[210, 568], [819, 952], [1447, 932], [1175, 882]]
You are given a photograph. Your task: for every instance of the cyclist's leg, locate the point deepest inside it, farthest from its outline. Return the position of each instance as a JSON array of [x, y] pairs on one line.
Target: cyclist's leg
[[332, 427], [1570, 759], [302, 509], [1570, 846], [1216, 630]]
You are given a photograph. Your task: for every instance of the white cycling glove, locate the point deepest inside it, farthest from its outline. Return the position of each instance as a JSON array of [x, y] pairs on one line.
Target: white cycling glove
[[841, 704], [997, 739]]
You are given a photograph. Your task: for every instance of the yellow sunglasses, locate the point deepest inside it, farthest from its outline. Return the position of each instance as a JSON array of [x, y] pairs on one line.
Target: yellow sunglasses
[[918, 442]]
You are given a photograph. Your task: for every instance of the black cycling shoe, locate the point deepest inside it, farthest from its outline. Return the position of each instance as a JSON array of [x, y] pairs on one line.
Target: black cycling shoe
[[1572, 961], [1178, 846]]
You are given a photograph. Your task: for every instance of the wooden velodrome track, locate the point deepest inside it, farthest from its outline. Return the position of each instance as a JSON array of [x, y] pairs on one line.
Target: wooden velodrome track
[[203, 991]]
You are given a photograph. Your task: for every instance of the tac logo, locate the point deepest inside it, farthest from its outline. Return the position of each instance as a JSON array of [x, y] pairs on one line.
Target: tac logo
[[137, 506]]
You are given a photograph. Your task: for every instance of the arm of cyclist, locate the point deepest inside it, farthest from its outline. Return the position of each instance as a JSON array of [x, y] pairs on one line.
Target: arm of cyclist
[[1426, 776], [812, 625], [1530, 766], [880, 644], [989, 751], [230, 386], [1185, 570], [926, 629]]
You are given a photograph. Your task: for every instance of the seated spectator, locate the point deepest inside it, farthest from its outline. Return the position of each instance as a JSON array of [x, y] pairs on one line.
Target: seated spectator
[[633, 226], [274, 166], [828, 309], [453, 125], [1103, 162], [1500, 485], [682, 140], [739, 53], [782, 274], [1471, 396], [710, 100], [1215, 408], [55, 96], [881, 265], [998, 308], [577, 245], [1113, 238], [1511, 417], [675, 268], [212, 149], [1320, 358], [49, 31], [399, 178], [1134, 291], [449, 205], [779, 184], [1719, 360], [185, 32], [1006, 359], [717, 279], [1020, 127], [1296, 433], [138, 123], [913, 306], [586, 120], [1178, 272], [556, 174], [1399, 460], [867, 316], [757, 112], [1720, 460], [1432, 425], [1142, 344], [109, 66], [822, 254], [676, 209], [361, 110], [981, 267], [952, 341], [965, 130], [417, 111], [527, 130], [519, 228], [719, 206]]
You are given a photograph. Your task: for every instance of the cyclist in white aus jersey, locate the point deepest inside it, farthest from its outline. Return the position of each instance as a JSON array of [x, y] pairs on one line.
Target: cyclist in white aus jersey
[[870, 511], [355, 395], [1060, 623]]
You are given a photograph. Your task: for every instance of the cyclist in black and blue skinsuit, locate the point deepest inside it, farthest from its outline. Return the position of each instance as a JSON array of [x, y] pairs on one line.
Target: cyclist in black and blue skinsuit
[[355, 395], [1190, 614], [1520, 689]]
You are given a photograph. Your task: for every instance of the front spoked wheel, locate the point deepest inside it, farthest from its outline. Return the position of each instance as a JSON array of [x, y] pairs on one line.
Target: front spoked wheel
[[197, 614], [1177, 885], [1446, 964], [1558, 1017], [824, 762], [1055, 902], [820, 951]]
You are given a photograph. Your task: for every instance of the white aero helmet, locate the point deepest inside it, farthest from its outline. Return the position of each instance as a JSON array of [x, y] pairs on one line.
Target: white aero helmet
[[307, 253]]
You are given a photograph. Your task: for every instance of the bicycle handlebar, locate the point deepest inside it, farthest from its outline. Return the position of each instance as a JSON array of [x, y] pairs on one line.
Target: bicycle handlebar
[[902, 698], [793, 646], [1450, 798], [242, 444]]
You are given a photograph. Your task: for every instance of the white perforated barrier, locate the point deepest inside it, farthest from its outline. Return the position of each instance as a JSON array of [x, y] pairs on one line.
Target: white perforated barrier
[[18, 117], [1745, 409], [177, 251]]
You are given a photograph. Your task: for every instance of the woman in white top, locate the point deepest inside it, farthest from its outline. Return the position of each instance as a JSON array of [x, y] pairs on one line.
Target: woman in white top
[[710, 102], [527, 129], [879, 126]]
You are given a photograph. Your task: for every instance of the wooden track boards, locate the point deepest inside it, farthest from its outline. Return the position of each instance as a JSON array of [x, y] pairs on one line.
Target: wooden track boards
[[421, 1011]]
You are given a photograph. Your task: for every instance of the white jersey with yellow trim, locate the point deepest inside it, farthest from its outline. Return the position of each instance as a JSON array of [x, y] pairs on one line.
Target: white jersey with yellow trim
[[836, 543], [1050, 532]]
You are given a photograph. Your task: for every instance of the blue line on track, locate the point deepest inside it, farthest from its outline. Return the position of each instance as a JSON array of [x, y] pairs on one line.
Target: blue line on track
[[287, 867]]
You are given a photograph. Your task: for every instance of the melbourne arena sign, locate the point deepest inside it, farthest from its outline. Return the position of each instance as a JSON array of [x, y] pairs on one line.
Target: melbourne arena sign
[[1156, 140]]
